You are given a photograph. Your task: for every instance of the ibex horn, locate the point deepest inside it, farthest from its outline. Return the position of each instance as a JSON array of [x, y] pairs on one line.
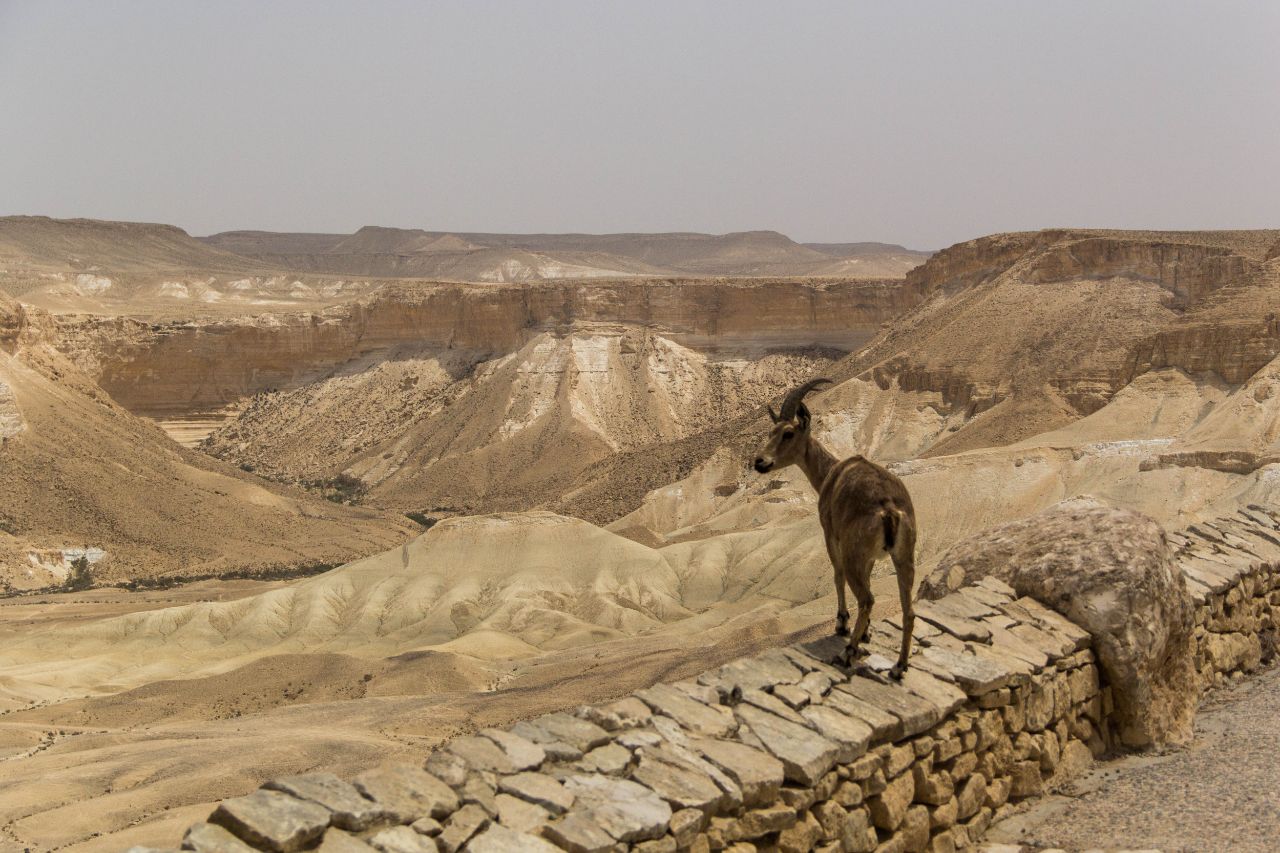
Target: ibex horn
[[794, 400]]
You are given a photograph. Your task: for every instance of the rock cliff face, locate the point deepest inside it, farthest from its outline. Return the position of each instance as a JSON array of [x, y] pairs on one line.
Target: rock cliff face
[[82, 477], [1076, 315], [168, 368]]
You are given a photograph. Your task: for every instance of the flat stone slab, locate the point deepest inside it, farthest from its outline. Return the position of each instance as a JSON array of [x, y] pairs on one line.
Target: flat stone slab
[[884, 726], [402, 839], [407, 792], [523, 754], [751, 674], [772, 704], [945, 695], [272, 820], [1049, 620], [350, 809], [481, 753], [579, 834], [627, 811], [917, 714], [211, 838], [538, 788], [806, 756], [958, 626], [562, 728], [461, 826], [967, 606], [759, 775], [697, 717], [852, 736], [677, 784], [975, 675], [520, 815], [340, 841], [500, 839]]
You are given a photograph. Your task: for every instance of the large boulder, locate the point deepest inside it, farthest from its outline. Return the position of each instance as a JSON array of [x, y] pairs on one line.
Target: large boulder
[[1110, 572]]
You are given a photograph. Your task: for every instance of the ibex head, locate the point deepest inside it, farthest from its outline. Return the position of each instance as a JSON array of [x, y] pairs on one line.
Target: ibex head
[[785, 444]]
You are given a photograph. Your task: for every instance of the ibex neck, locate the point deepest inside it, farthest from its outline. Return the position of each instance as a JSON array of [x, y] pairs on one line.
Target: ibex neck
[[816, 463]]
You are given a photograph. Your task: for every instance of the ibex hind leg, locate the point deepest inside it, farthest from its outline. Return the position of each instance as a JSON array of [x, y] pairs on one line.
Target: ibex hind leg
[[904, 565], [859, 581]]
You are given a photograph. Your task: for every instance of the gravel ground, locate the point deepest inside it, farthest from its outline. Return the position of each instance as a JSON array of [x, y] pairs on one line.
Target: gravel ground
[[1221, 793]]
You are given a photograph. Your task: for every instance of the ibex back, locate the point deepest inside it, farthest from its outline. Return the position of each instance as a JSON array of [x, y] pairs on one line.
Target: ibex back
[[865, 512]]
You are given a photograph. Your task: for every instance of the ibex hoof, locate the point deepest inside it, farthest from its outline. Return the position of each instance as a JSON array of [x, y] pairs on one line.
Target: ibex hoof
[[842, 630], [897, 672]]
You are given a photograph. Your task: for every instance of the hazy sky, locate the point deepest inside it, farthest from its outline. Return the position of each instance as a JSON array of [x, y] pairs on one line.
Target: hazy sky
[[922, 123]]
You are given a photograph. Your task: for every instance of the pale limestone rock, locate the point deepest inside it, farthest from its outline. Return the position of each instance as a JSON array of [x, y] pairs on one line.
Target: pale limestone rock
[[884, 726], [851, 735], [461, 825], [806, 756], [915, 828], [932, 788], [402, 839], [917, 714], [211, 838], [562, 728], [610, 759], [1109, 572], [970, 796], [944, 815], [695, 716], [858, 835], [519, 814], [889, 807], [579, 834], [271, 820], [802, 836], [758, 774], [501, 839], [685, 824], [758, 822], [521, 752], [677, 784], [626, 810], [539, 789], [337, 841], [350, 810], [1025, 779], [407, 792]]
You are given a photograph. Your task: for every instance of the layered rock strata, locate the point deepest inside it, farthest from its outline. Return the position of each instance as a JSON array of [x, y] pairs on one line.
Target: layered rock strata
[[180, 367], [789, 750]]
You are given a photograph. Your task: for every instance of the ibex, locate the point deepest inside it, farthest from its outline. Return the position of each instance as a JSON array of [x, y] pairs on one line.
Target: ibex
[[865, 513]]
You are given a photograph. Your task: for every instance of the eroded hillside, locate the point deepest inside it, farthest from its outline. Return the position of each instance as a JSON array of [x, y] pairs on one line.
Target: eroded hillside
[[85, 479]]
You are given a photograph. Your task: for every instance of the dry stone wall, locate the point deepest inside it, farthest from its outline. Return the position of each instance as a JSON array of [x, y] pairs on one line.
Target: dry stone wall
[[789, 750]]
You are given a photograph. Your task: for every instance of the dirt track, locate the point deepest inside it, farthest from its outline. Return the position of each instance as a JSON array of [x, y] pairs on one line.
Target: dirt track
[[1218, 794]]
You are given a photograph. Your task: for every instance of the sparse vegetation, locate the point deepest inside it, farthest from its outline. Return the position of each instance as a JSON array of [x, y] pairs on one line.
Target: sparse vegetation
[[81, 575], [422, 518], [341, 489]]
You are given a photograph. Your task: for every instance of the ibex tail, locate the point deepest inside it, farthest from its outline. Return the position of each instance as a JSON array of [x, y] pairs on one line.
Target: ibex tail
[[890, 517]]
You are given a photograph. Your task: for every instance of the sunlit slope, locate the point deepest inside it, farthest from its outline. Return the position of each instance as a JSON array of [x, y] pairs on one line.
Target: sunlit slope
[[81, 476]]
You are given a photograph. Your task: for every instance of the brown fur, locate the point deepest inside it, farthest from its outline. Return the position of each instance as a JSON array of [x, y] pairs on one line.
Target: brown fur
[[865, 512]]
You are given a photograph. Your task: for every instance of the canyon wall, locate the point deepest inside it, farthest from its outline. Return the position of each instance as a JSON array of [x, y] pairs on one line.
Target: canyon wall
[[169, 368], [788, 750]]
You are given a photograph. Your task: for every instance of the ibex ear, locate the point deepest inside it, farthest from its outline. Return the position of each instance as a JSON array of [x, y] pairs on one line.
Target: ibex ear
[[802, 415], [773, 414]]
